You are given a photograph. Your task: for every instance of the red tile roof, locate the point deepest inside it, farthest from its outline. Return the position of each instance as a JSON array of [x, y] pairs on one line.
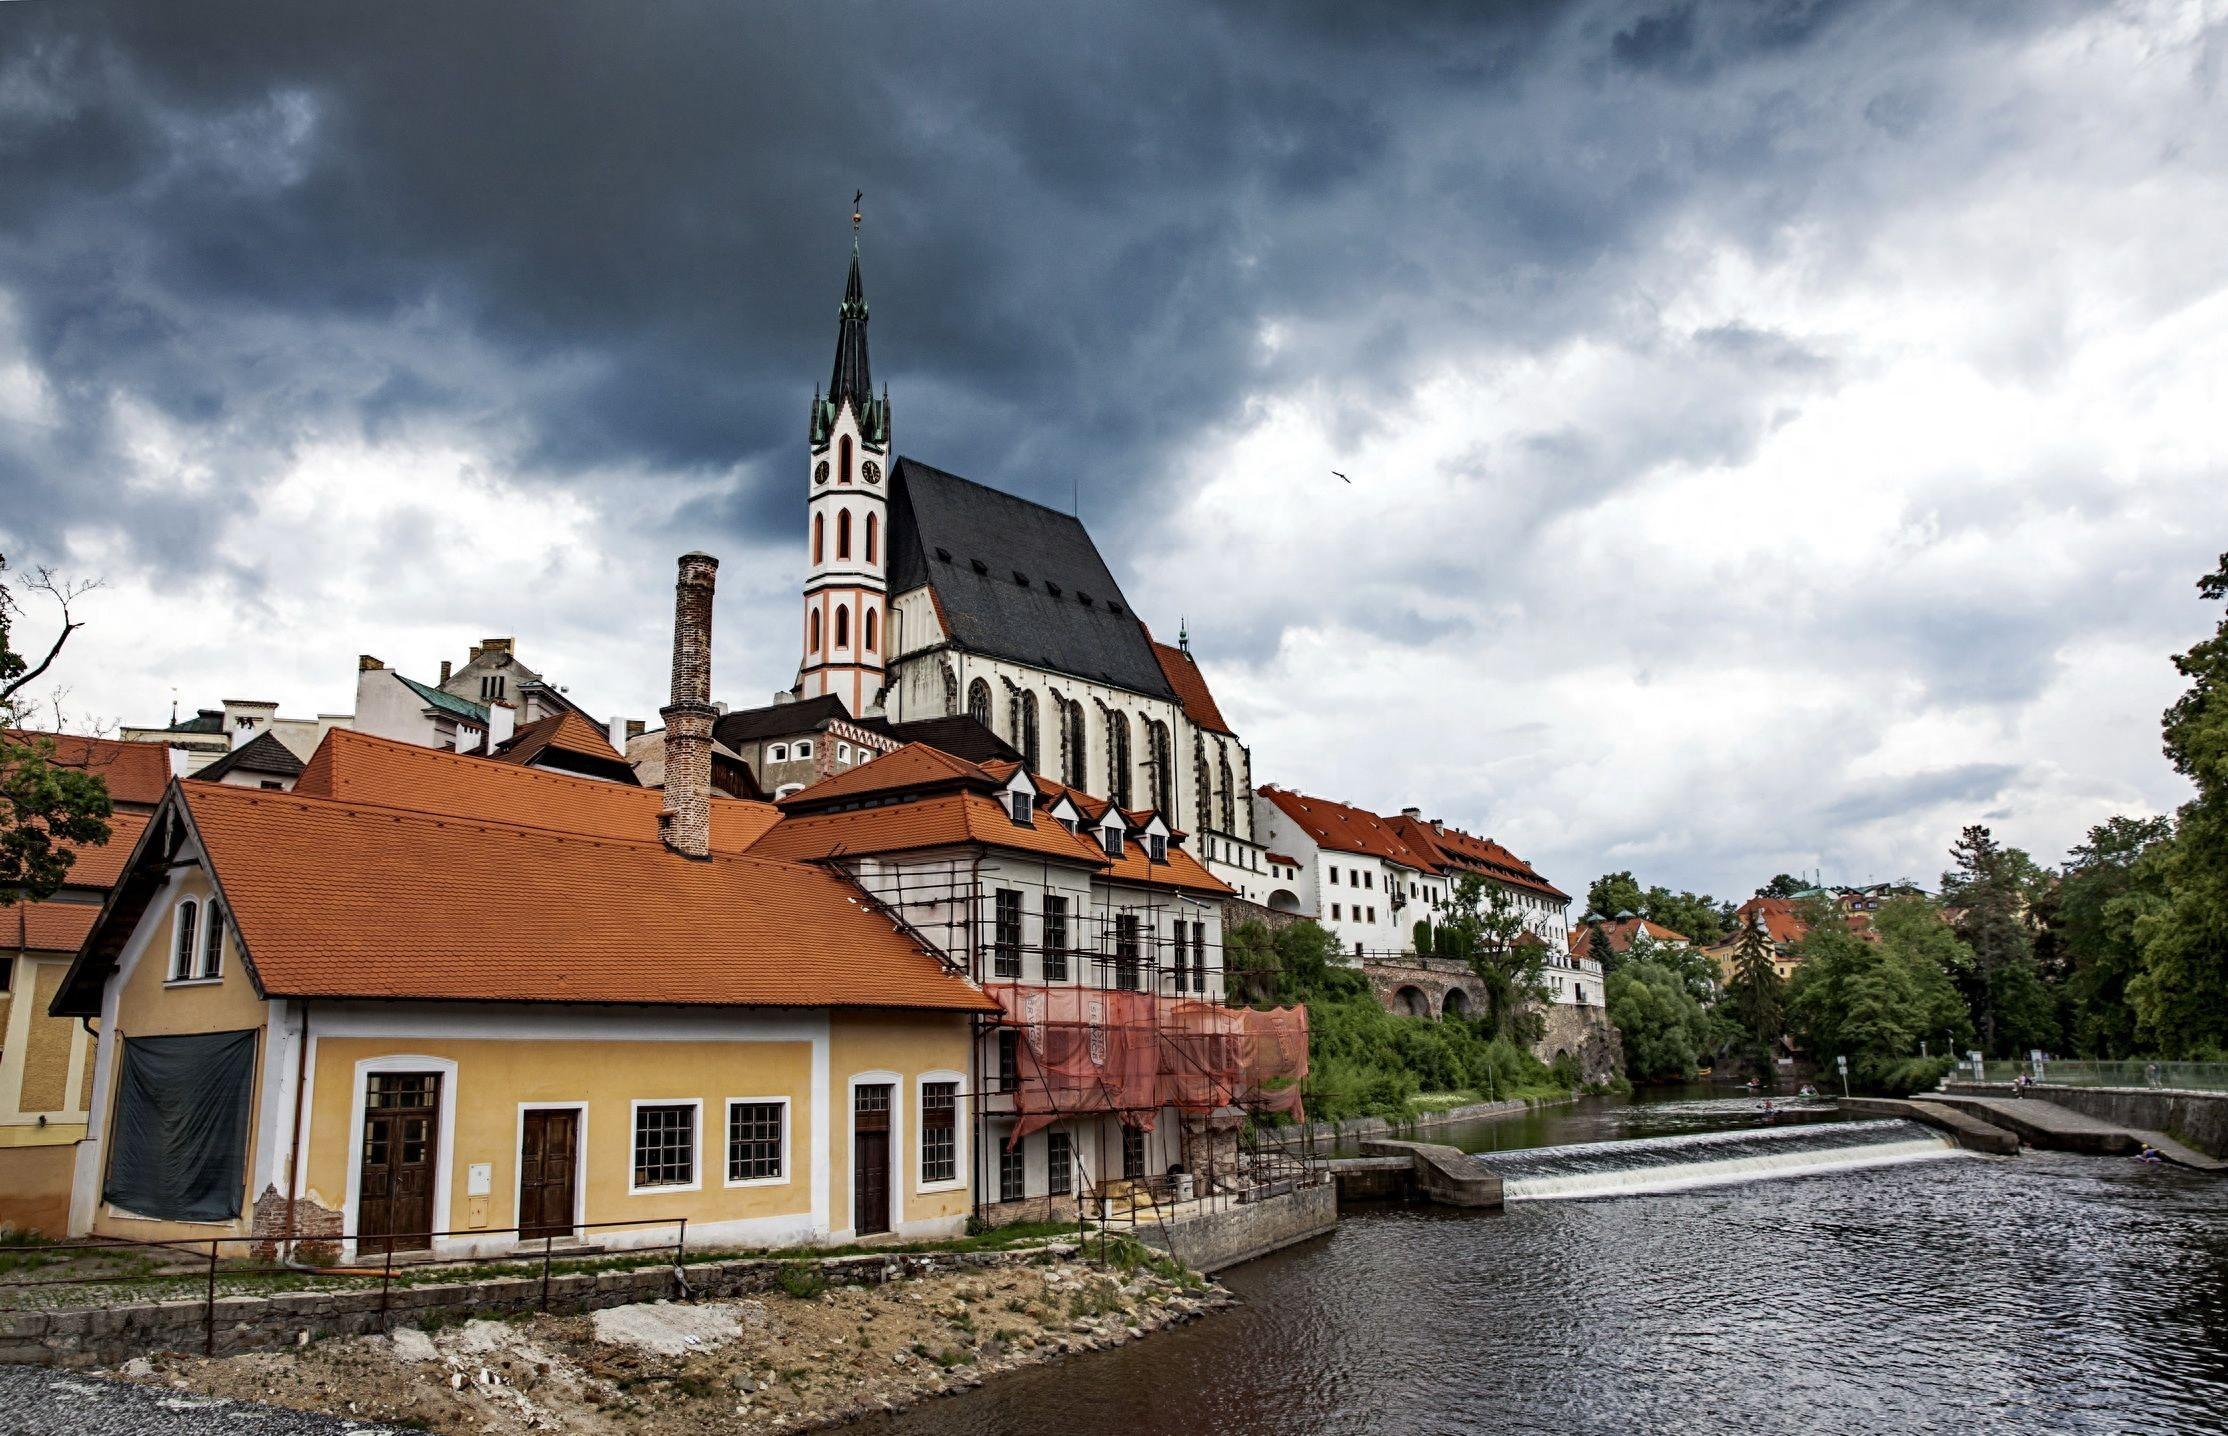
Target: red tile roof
[[99, 867], [565, 731], [1780, 919], [939, 820], [1465, 852], [359, 768], [916, 767], [47, 926], [1190, 684], [346, 899], [136, 773], [1348, 829], [1621, 934]]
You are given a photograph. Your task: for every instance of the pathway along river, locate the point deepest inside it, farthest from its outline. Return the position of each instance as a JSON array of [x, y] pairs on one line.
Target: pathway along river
[[2042, 1293]]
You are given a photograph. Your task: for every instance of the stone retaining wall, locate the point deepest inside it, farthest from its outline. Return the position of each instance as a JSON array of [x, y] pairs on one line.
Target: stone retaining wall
[[1356, 1128], [2199, 1119], [1215, 1240], [85, 1336]]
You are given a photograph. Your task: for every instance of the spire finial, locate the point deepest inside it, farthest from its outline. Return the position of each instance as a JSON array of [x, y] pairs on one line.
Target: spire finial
[[858, 212], [1183, 635]]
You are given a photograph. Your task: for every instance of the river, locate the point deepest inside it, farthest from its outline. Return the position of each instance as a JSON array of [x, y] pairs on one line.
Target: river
[[2041, 1293]]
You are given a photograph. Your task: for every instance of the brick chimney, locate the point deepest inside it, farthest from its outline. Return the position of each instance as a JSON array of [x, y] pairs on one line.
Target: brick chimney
[[687, 820]]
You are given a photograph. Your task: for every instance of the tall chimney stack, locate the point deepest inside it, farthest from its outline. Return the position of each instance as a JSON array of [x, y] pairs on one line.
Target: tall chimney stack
[[687, 820]]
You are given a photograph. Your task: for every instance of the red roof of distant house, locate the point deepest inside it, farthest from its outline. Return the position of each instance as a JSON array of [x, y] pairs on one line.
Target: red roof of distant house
[[916, 767], [1622, 933], [46, 926], [1348, 829], [565, 731], [1458, 850], [1778, 916], [136, 773], [1190, 684]]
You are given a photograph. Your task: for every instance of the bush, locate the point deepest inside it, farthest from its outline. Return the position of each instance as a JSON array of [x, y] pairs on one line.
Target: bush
[[802, 1280]]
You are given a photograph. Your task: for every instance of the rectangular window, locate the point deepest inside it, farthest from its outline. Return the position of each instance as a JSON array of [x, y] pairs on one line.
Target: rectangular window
[[1005, 950], [1334, 875], [212, 941], [1013, 1170], [1125, 952], [188, 925], [940, 1132], [1009, 1059], [1059, 1163], [1133, 1153], [1334, 912], [1199, 957], [1369, 880], [665, 1144], [1055, 957], [755, 1141], [1181, 953]]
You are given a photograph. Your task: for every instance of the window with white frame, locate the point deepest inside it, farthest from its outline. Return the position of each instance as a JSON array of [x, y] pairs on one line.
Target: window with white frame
[[843, 753], [185, 940], [212, 941], [1013, 1170], [1055, 954], [1005, 950], [1059, 1163], [664, 1145], [778, 753], [1110, 838], [801, 749], [757, 1138], [940, 1132]]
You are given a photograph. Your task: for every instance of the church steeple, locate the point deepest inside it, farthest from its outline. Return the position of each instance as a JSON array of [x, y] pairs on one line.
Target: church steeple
[[853, 382]]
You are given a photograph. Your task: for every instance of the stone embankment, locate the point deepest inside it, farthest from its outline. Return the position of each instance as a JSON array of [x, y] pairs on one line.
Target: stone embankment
[[784, 1360], [1354, 1129], [2197, 1120], [1968, 1131]]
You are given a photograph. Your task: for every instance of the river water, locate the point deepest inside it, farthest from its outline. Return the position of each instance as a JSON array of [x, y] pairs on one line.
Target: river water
[[2041, 1293]]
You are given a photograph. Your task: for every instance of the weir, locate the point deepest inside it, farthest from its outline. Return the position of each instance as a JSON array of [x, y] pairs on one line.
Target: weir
[[1708, 1159]]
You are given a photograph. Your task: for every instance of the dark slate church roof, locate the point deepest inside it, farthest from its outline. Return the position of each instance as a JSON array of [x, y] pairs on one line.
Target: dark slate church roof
[[1016, 580]]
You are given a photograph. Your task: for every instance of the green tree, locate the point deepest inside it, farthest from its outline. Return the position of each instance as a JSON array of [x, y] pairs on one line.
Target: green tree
[[1614, 894], [1665, 1030], [1992, 889], [1784, 885], [2181, 996], [1483, 926], [2109, 881], [1598, 948], [1758, 999], [46, 804], [1889, 1005]]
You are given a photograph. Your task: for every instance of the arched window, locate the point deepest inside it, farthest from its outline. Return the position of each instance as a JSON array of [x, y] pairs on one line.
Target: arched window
[[812, 626], [1225, 797], [819, 529], [843, 625], [1117, 757], [1158, 753], [1202, 787], [978, 702], [843, 533], [870, 613], [843, 468], [212, 940], [1025, 738], [873, 527], [1074, 748], [186, 929]]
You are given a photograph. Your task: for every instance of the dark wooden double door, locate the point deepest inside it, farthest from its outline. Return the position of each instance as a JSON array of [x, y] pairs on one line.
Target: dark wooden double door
[[870, 1159], [401, 1152]]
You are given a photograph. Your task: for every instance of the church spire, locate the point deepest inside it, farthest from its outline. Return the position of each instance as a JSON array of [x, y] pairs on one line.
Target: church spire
[[853, 382]]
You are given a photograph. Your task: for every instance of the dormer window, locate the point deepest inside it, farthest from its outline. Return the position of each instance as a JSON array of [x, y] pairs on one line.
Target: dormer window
[[1157, 845], [197, 942], [1110, 838], [185, 931], [1021, 810]]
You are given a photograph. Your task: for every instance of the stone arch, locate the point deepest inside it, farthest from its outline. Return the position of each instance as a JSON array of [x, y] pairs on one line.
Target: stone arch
[[1284, 900], [1409, 1001], [1457, 1003]]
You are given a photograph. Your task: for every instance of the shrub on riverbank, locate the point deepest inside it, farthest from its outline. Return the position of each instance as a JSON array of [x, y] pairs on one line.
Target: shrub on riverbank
[[1364, 1061]]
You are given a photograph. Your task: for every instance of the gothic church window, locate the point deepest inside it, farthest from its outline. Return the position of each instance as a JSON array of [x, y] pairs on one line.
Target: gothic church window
[[873, 526], [843, 533], [1160, 754], [1202, 789], [1025, 738], [1117, 757], [871, 635], [978, 702], [1074, 746], [1226, 800], [819, 530], [843, 468], [843, 625], [814, 627]]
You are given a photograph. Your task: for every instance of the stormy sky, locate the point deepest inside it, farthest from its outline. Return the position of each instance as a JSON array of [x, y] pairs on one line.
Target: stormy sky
[[1779, 432]]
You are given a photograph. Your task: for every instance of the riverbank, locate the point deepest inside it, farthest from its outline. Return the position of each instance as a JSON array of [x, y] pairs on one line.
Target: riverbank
[[801, 1358], [1354, 1129]]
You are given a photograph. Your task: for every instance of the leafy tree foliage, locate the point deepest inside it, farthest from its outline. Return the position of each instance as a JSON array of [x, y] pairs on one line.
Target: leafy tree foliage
[[1992, 888], [1665, 1029], [1784, 885], [2110, 880], [1877, 1002], [1758, 1000], [1484, 927], [45, 804], [1693, 915]]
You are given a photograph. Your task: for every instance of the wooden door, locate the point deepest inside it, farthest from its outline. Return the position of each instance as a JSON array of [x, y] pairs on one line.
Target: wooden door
[[548, 1161], [402, 1146], [870, 1160]]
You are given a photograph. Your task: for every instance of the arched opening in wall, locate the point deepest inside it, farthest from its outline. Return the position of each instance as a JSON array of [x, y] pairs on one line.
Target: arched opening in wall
[[1026, 737], [843, 533], [871, 634], [1203, 788], [843, 625], [1226, 799], [843, 465], [873, 526], [1118, 758], [1160, 752], [1457, 1003], [978, 702], [1410, 1002], [1284, 900], [819, 532], [812, 631]]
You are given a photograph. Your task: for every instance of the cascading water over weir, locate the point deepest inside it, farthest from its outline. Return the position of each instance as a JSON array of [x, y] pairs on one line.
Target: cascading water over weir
[[1709, 1159]]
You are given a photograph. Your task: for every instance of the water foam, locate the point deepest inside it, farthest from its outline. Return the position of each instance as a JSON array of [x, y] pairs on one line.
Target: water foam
[[1711, 1159]]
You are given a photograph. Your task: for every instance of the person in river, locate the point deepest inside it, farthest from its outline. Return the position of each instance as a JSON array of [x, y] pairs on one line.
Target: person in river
[[2149, 1154]]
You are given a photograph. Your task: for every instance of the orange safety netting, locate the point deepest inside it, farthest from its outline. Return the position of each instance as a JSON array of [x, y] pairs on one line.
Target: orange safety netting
[[1084, 1050]]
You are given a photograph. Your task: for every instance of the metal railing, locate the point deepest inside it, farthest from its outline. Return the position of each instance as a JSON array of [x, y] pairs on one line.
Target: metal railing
[[202, 1260], [2134, 1072]]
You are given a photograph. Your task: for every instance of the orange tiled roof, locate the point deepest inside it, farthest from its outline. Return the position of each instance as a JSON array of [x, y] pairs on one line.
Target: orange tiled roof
[[916, 766], [100, 867], [1348, 829], [359, 768], [1456, 849], [343, 899], [136, 773], [1780, 920], [47, 926], [936, 821], [1622, 934], [1191, 689], [565, 731]]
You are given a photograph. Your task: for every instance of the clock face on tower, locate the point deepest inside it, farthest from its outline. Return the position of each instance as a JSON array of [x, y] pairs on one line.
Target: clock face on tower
[[873, 471], [820, 475]]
